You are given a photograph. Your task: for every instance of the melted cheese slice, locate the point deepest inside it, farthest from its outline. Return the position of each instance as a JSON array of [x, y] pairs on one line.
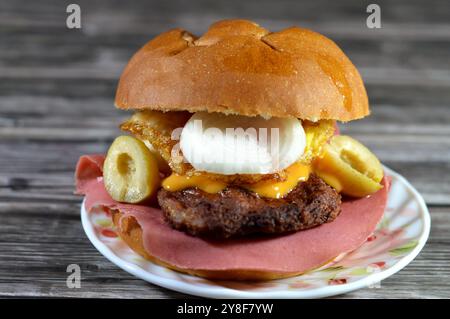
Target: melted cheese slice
[[176, 182], [296, 173]]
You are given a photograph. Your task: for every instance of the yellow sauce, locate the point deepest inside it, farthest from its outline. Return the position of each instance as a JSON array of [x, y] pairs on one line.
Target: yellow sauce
[[295, 173], [177, 182]]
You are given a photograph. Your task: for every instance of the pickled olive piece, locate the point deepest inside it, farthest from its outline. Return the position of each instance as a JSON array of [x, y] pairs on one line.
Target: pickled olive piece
[[130, 171], [349, 167]]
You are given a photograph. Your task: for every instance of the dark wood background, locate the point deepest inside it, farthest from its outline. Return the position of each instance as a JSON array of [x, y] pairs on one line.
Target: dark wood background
[[56, 103]]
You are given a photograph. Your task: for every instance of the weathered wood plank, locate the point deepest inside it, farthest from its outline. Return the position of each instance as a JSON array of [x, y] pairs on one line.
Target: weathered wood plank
[[130, 17], [49, 97], [101, 49], [42, 99], [430, 180], [386, 76], [93, 53]]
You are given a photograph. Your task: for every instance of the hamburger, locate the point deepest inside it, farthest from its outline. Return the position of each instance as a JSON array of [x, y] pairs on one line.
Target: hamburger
[[234, 167]]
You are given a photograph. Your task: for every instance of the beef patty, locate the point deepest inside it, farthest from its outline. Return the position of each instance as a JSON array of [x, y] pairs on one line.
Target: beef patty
[[237, 212]]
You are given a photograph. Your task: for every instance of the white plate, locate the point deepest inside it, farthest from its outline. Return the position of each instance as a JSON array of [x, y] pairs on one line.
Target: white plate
[[399, 237]]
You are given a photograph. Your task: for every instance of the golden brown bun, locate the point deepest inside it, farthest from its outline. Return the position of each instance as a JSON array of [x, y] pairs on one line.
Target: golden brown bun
[[131, 233], [238, 67]]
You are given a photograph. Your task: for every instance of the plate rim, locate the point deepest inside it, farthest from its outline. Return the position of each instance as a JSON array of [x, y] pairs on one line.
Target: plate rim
[[224, 292]]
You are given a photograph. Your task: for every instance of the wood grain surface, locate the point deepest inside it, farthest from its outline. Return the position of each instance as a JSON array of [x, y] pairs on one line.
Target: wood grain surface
[[56, 102]]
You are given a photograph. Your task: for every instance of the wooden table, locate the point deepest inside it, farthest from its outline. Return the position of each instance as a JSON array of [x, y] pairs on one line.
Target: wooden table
[[56, 103]]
